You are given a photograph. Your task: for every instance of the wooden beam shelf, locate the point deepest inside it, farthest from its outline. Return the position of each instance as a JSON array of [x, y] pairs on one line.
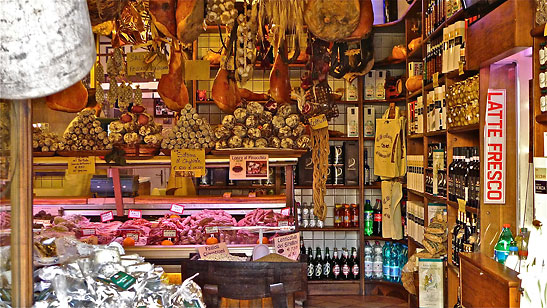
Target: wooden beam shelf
[[384, 101], [452, 19], [436, 133], [435, 198], [464, 129], [455, 205]]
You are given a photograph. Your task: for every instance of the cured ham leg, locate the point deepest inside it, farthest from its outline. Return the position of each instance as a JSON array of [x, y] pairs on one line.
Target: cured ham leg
[[252, 96], [163, 16], [280, 84], [225, 92], [171, 87]]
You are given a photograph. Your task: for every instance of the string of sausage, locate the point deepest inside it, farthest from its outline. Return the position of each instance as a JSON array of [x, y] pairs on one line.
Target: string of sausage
[[320, 155]]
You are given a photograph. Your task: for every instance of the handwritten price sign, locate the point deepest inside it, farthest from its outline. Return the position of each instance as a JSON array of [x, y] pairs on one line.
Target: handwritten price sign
[[135, 214], [318, 122], [107, 216], [81, 165], [288, 245], [206, 250], [190, 160], [177, 208]]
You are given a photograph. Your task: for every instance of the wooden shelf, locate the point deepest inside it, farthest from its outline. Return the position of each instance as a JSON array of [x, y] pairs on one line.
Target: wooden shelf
[[416, 192], [384, 101], [384, 282], [419, 245], [464, 129], [414, 94], [453, 267], [538, 31], [416, 54], [435, 198], [416, 136], [436, 133], [375, 185], [385, 63], [328, 229], [343, 138], [333, 281], [369, 138], [429, 86], [379, 238], [328, 186], [542, 118], [454, 204], [257, 65]]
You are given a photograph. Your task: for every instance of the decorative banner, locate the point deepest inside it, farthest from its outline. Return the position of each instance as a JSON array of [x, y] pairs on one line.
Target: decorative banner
[[136, 214], [177, 208], [318, 122], [107, 216], [136, 63], [207, 250], [288, 245], [191, 160], [249, 167], [495, 151], [81, 165]]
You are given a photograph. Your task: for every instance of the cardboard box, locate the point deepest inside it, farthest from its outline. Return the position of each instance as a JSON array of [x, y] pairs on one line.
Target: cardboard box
[[370, 85], [370, 121], [351, 163], [305, 170], [380, 81], [352, 122], [415, 69]]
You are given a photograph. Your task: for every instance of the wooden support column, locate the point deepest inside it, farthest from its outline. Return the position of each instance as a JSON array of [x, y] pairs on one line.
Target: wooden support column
[[21, 203]]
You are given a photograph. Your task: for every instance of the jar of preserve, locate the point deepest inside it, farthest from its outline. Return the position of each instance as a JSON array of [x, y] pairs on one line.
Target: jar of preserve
[[346, 222], [355, 215]]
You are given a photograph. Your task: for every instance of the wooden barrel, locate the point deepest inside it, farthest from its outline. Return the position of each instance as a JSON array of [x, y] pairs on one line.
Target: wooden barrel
[[225, 283]]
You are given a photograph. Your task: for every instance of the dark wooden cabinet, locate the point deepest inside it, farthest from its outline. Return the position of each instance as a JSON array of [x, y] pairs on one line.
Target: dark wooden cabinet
[[487, 283]]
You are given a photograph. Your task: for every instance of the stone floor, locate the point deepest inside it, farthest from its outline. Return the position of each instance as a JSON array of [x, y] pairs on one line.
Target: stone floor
[[354, 301]]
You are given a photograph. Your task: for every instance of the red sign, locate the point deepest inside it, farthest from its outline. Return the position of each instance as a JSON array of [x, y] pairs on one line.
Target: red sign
[[107, 216], [495, 150], [88, 231], [177, 208], [134, 214]]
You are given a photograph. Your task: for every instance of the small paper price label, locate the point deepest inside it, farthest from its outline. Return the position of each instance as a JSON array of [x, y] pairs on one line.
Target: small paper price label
[[461, 205], [461, 71], [211, 230], [206, 250], [88, 231], [283, 223], [107, 216], [169, 233], [288, 245], [136, 214], [43, 222], [436, 80], [81, 165], [318, 122], [134, 236], [177, 208]]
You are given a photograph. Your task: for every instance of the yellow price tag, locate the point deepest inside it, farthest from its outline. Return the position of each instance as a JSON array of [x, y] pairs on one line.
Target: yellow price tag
[[81, 165], [136, 63], [436, 80], [461, 205], [188, 160], [545, 30], [319, 122], [461, 72]]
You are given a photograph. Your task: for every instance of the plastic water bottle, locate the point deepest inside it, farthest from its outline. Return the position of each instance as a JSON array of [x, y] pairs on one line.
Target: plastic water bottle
[[368, 261], [394, 269], [386, 261], [403, 258], [501, 250], [377, 262]]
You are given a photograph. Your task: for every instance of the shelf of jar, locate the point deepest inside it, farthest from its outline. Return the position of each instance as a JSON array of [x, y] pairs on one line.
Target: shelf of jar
[[450, 20], [414, 94], [455, 205], [384, 282], [415, 243], [352, 229], [375, 185], [369, 138], [464, 129]]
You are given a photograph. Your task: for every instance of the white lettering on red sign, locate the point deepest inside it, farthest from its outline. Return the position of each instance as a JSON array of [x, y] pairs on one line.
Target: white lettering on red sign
[[107, 216], [134, 214], [495, 150], [88, 231], [177, 208]]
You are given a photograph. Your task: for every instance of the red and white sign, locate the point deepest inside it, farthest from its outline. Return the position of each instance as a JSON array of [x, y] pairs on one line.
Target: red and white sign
[[107, 216], [177, 208], [88, 231], [495, 148], [134, 214]]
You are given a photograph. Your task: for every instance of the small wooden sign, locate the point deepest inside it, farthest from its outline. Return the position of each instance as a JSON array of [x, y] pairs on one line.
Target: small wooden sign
[[135, 214], [288, 245], [188, 160], [107, 216], [81, 165], [177, 208], [207, 250], [136, 63], [319, 122]]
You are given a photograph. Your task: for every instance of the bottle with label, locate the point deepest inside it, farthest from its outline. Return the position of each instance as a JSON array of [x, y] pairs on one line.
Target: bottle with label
[[302, 248], [386, 261], [377, 218], [368, 261], [377, 261], [355, 215], [346, 269], [318, 272], [305, 215], [346, 222], [367, 169], [522, 243], [327, 265], [394, 270], [311, 264], [501, 250], [368, 217], [355, 270], [338, 215], [512, 260], [299, 213], [311, 217], [336, 271]]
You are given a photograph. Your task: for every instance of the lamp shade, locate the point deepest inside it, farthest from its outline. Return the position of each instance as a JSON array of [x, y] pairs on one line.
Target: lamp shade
[[45, 46]]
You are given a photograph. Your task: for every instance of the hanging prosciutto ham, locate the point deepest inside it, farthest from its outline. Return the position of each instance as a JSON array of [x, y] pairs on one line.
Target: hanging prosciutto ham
[[171, 87], [225, 92], [280, 83], [163, 16]]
